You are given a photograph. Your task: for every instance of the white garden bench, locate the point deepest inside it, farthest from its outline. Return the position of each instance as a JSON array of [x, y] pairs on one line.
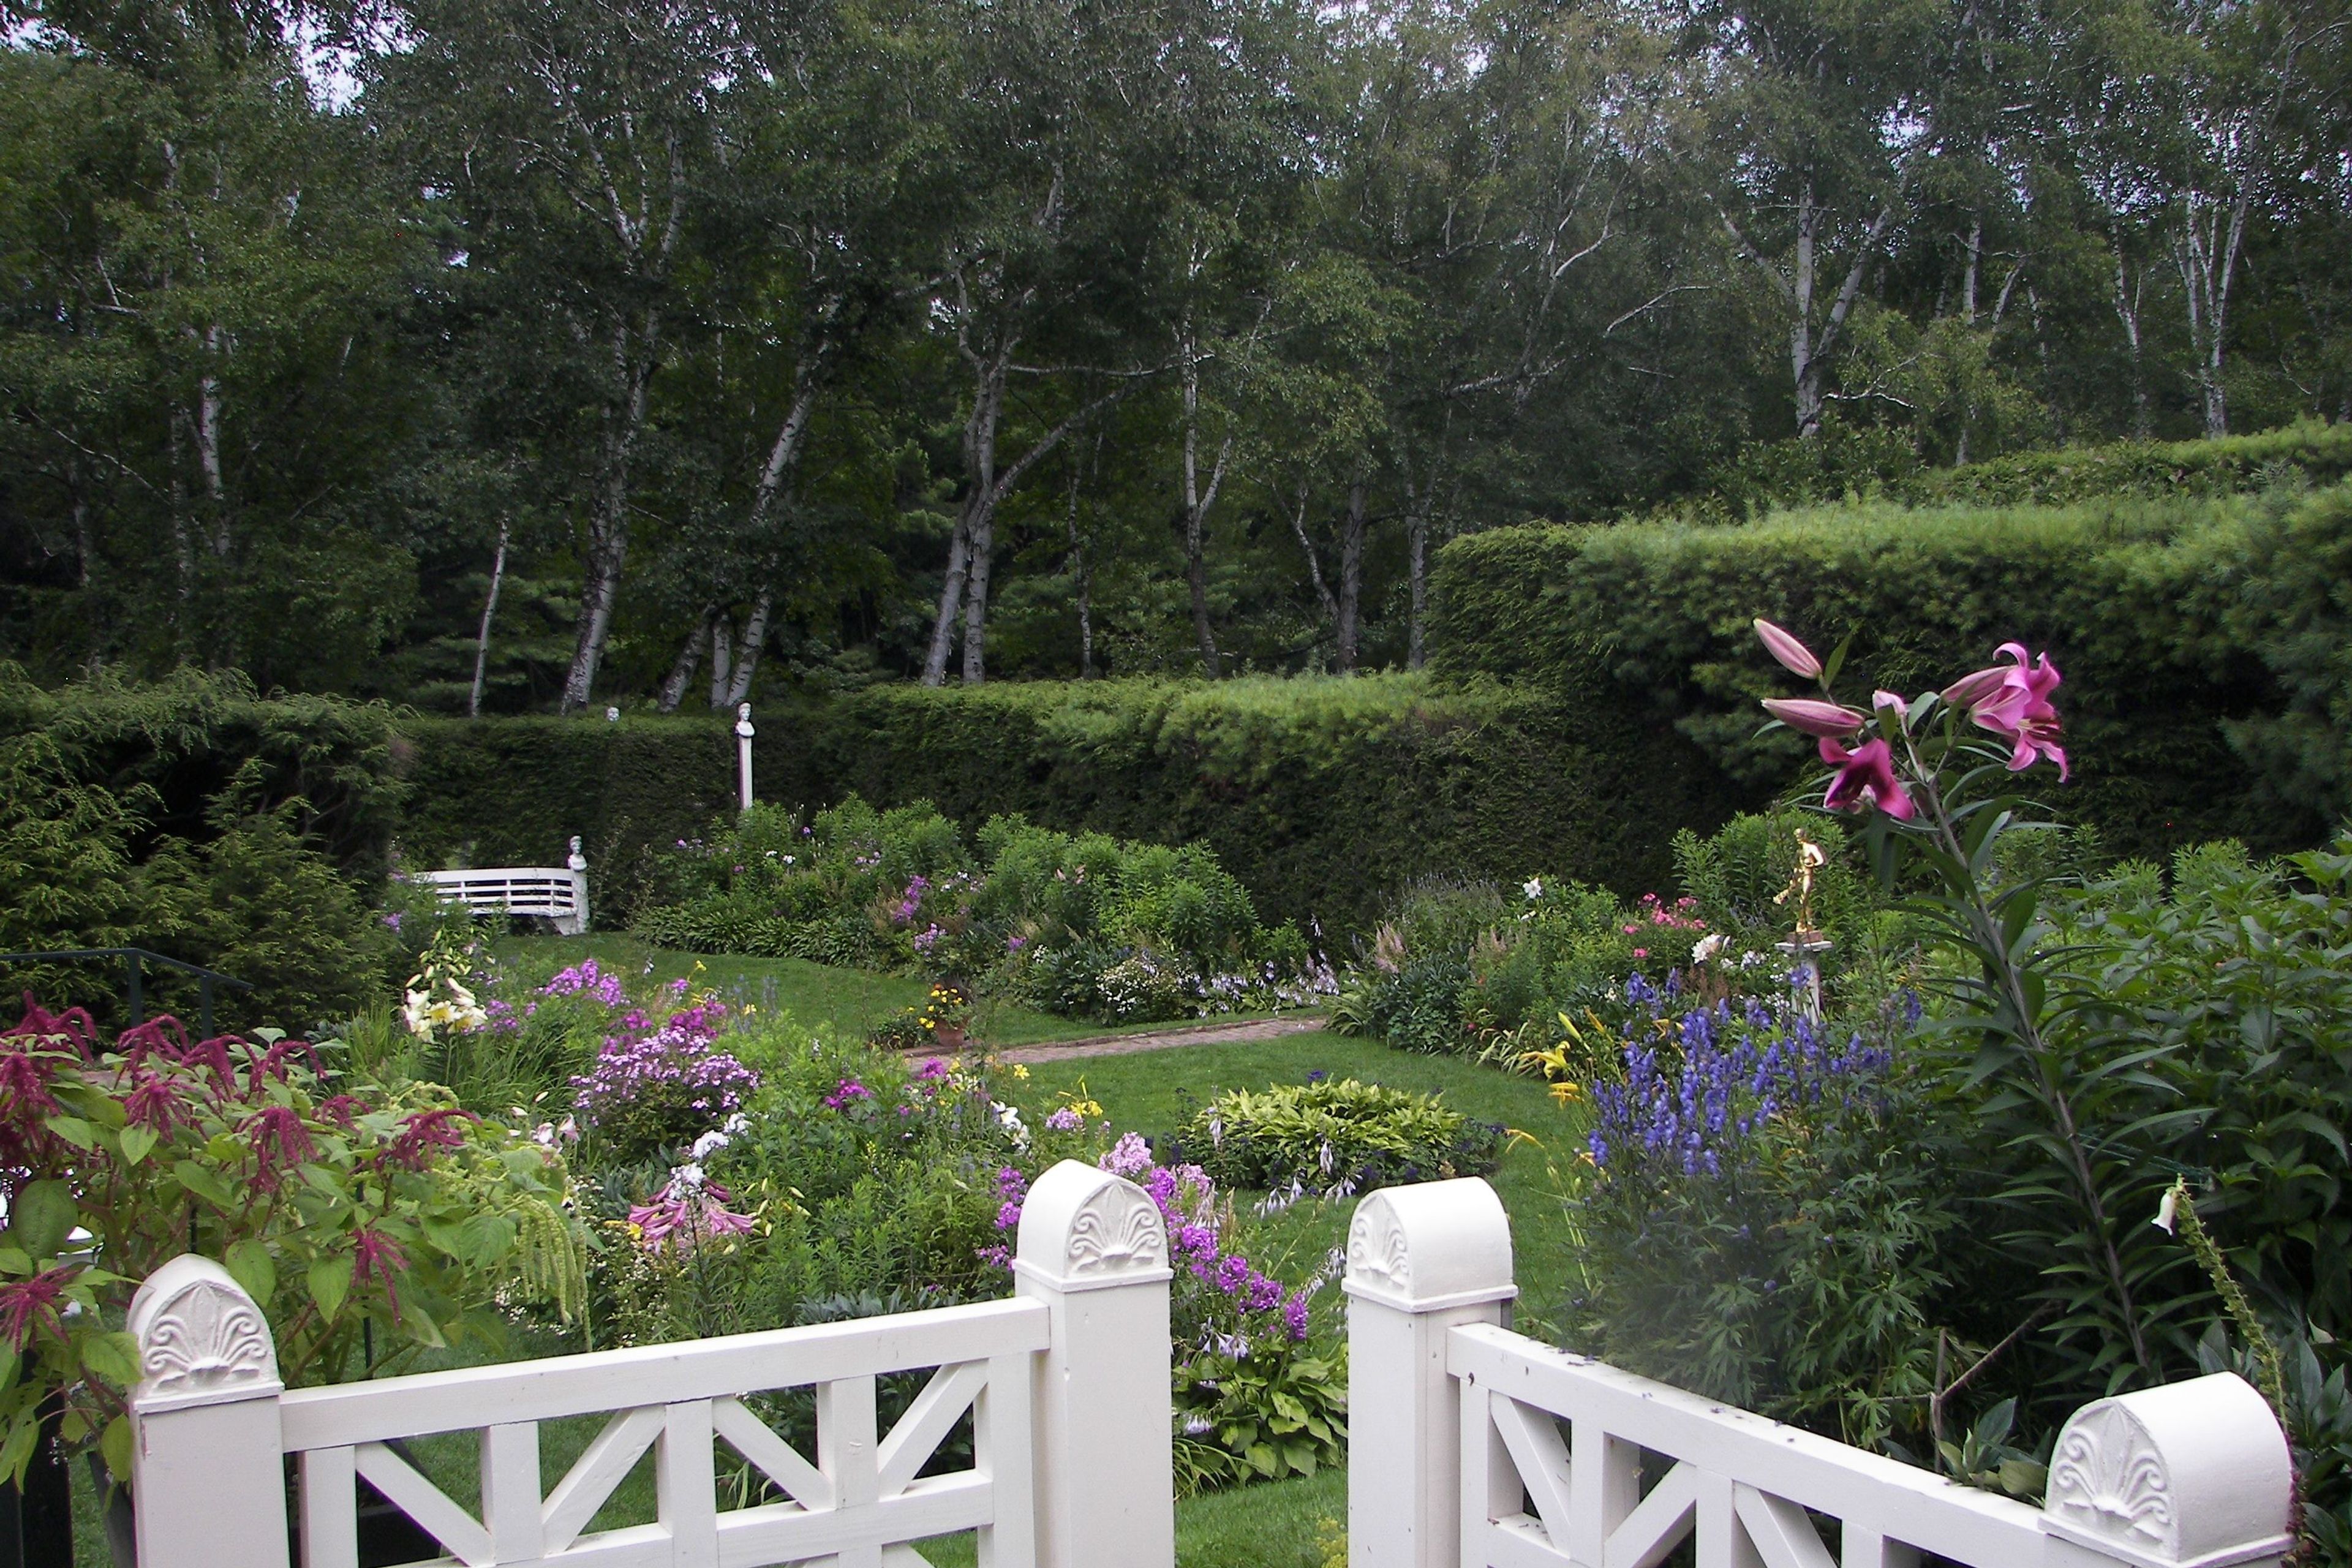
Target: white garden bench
[[555, 893]]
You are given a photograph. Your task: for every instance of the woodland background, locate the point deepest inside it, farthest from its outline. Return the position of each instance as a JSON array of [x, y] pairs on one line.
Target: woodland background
[[538, 354]]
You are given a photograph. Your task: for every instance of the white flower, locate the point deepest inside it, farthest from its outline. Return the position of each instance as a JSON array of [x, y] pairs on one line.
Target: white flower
[[611, 715], [544, 1134], [686, 1178], [736, 1125], [568, 1129], [2169, 1211], [1706, 947], [1532, 887], [709, 1143], [1009, 1118]]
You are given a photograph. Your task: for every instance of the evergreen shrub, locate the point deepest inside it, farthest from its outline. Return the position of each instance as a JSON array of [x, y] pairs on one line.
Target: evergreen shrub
[[2177, 623]]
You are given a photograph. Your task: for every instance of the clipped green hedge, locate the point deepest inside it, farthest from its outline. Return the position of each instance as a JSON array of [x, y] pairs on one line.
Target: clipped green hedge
[[1323, 795], [1880, 464], [2143, 604], [513, 792]]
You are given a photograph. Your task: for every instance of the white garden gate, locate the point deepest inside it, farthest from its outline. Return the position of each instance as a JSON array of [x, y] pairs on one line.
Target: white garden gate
[[1067, 1381], [1457, 1457], [1470, 1447]]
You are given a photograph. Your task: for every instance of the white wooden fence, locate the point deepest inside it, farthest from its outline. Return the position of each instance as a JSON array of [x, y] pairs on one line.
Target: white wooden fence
[[559, 893], [1458, 1459], [1067, 1382]]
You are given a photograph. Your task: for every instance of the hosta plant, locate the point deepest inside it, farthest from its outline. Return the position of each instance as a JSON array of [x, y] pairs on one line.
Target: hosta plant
[[365, 1223]]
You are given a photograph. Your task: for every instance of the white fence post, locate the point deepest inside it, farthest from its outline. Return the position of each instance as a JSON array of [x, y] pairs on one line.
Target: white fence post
[[207, 1475], [1094, 1249], [2191, 1475], [1421, 1260]]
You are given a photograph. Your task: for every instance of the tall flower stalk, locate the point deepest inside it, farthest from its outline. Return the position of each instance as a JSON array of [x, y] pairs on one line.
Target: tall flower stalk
[[1935, 788]]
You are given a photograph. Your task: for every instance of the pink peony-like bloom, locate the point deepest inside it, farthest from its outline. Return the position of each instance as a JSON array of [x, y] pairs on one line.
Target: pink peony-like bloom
[[2013, 701], [1866, 778], [1794, 655], [1815, 716]]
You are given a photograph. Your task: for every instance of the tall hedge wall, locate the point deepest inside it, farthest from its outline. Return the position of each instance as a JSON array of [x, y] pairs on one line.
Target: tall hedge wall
[[1322, 796], [2154, 609]]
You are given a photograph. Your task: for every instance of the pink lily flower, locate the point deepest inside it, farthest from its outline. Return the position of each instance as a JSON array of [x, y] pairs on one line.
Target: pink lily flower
[[1815, 716], [1794, 655], [1866, 778], [2013, 701]]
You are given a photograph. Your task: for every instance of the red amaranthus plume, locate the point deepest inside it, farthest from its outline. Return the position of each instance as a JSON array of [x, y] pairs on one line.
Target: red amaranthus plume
[[73, 1025], [279, 1140], [27, 1304], [342, 1109], [423, 1132], [377, 1256], [154, 1103], [156, 1038]]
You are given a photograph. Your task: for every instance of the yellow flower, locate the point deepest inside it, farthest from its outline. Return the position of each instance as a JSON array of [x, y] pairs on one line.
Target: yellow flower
[[1566, 1093], [1020, 1069]]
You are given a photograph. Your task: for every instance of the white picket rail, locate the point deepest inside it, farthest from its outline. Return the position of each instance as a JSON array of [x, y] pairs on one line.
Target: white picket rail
[[1067, 1381], [559, 893], [1458, 1458]]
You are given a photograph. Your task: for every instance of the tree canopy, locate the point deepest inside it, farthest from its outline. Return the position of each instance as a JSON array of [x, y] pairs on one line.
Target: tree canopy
[[500, 354]]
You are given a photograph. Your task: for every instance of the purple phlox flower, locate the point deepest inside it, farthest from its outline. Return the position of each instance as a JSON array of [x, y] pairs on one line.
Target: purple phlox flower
[[1131, 1156], [847, 1092]]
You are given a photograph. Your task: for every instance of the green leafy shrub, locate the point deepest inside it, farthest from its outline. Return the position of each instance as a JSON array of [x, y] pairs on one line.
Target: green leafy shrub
[[2166, 614], [1762, 1215], [1082, 924], [375, 1223], [1336, 1137]]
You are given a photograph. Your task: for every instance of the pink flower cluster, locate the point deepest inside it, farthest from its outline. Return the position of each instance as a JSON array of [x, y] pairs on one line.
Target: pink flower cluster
[[907, 907], [688, 1211], [2010, 701]]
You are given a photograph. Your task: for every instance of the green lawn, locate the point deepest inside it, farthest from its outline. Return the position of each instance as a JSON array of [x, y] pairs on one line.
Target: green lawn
[[848, 1002], [1149, 1091]]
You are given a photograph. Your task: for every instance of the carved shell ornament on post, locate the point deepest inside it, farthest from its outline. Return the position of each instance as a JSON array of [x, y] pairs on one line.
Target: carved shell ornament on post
[[1116, 1230], [2107, 1478], [199, 1334], [2186, 1475], [1376, 1245]]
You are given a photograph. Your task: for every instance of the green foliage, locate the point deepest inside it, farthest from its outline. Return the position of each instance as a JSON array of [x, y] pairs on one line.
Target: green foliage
[[384, 1219], [2143, 603], [1322, 796], [1765, 1214], [1474, 967], [1882, 464], [198, 820], [1281, 1410], [1082, 925], [1338, 1137], [214, 752]]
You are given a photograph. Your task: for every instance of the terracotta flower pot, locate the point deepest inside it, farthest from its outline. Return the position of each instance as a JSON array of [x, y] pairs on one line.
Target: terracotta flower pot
[[949, 1037]]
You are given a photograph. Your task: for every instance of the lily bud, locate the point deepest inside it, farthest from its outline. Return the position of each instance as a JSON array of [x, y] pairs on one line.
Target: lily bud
[[1783, 646], [1815, 716], [1970, 689]]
